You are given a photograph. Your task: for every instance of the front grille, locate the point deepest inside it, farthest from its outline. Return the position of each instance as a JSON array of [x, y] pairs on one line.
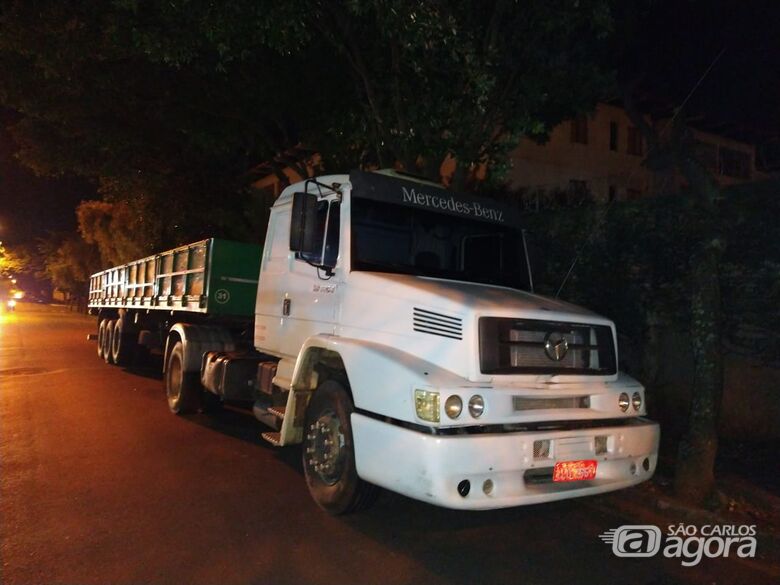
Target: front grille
[[439, 324], [526, 346]]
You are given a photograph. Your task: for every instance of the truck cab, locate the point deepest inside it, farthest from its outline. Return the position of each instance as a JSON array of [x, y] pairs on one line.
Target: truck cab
[[415, 357]]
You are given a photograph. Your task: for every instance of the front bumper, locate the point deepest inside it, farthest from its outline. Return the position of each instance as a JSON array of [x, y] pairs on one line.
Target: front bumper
[[430, 467]]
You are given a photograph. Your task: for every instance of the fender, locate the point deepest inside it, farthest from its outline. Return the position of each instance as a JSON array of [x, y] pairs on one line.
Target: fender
[[382, 378], [197, 340]]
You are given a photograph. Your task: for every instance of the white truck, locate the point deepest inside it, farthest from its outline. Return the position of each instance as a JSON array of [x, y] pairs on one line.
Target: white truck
[[393, 335]]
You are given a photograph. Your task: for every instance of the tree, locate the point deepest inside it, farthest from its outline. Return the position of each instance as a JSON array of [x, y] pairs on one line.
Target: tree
[[68, 262], [465, 79], [672, 148], [11, 261], [180, 99]]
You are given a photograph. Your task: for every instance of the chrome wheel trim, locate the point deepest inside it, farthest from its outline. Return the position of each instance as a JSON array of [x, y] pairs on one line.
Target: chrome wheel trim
[[326, 447]]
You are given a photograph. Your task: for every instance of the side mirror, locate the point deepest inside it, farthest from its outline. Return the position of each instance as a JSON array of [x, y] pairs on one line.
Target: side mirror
[[303, 232]]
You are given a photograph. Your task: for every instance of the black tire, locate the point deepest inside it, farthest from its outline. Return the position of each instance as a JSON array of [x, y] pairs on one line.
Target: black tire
[[182, 388], [107, 337], [100, 335], [123, 343], [329, 453]]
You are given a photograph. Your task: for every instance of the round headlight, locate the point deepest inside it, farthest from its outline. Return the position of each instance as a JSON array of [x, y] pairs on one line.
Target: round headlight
[[623, 401], [453, 406], [476, 406], [636, 401]]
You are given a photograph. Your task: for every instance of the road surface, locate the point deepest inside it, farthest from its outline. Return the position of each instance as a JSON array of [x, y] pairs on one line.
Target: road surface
[[100, 483]]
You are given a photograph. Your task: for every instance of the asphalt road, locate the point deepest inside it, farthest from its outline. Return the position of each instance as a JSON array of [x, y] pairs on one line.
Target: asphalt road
[[99, 483]]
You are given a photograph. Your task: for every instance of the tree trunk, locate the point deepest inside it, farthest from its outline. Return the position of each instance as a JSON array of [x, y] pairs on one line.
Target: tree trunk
[[694, 473]]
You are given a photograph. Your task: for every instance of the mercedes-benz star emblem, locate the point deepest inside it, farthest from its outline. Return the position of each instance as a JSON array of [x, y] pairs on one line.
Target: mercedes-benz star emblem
[[555, 346]]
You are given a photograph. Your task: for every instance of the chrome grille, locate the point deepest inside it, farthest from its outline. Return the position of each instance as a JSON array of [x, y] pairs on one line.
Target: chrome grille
[[433, 323], [526, 346]]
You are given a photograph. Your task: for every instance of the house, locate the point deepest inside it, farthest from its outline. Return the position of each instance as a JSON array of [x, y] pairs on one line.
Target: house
[[601, 156]]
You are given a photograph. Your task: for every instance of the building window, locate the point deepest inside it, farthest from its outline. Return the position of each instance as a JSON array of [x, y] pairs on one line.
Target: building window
[[579, 130], [612, 195], [613, 136], [635, 141], [734, 163]]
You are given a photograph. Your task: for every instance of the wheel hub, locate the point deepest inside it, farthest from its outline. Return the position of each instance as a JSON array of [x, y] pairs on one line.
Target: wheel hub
[[325, 447]]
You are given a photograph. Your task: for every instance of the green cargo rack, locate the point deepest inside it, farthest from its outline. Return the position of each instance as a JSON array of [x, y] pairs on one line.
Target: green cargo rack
[[213, 276]]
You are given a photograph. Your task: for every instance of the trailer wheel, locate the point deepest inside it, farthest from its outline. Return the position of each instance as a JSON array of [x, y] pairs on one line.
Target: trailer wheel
[[108, 332], [329, 454], [182, 388], [100, 336], [122, 343]]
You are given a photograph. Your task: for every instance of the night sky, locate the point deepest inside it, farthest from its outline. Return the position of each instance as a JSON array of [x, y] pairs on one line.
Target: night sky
[[31, 206], [670, 46]]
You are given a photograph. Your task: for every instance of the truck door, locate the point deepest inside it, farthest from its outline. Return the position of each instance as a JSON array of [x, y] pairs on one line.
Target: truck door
[[295, 299]]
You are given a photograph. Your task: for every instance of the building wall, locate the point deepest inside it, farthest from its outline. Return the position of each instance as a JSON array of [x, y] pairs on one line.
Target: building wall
[[611, 170]]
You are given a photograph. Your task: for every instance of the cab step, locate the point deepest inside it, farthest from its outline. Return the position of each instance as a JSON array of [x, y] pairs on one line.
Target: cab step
[[274, 438], [277, 411]]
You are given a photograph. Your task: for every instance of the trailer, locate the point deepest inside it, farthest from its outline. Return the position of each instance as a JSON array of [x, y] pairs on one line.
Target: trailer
[[390, 328]]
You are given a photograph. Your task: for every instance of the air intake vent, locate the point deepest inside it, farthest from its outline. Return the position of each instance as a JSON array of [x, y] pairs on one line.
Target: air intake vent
[[437, 324]]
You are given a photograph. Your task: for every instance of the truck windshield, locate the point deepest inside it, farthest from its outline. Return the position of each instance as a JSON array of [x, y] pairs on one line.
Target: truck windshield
[[405, 240]]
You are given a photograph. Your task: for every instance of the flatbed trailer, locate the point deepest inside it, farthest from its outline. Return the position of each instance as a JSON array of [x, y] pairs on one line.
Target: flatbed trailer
[[213, 276]]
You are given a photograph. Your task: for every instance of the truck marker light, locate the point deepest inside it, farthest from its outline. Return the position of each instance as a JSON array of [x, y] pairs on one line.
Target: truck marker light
[[426, 404], [636, 401], [623, 401]]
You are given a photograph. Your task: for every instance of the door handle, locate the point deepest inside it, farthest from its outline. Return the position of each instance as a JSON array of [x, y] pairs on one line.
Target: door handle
[[286, 307]]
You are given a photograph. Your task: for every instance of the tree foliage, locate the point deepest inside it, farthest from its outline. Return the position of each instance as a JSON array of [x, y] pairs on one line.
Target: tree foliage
[[168, 104], [68, 262], [11, 261]]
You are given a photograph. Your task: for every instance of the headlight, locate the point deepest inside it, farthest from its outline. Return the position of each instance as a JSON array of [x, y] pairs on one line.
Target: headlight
[[11, 303], [636, 401], [476, 406], [453, 406], [426, 403], [623, 401], [18, 294]]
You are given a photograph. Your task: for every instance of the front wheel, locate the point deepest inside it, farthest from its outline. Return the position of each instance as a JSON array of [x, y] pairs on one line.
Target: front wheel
[[329, 453]]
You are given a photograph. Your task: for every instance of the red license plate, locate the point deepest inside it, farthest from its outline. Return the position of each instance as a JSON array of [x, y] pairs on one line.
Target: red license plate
[[575, 470]]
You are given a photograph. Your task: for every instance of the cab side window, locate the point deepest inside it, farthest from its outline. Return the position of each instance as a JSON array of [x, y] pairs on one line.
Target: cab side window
[[326, 230]]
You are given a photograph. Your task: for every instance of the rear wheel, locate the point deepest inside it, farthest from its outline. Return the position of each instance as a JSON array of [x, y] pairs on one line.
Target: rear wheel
[[182, 388], [329, 454], [107, 336], [100, 337], [122, 343]]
